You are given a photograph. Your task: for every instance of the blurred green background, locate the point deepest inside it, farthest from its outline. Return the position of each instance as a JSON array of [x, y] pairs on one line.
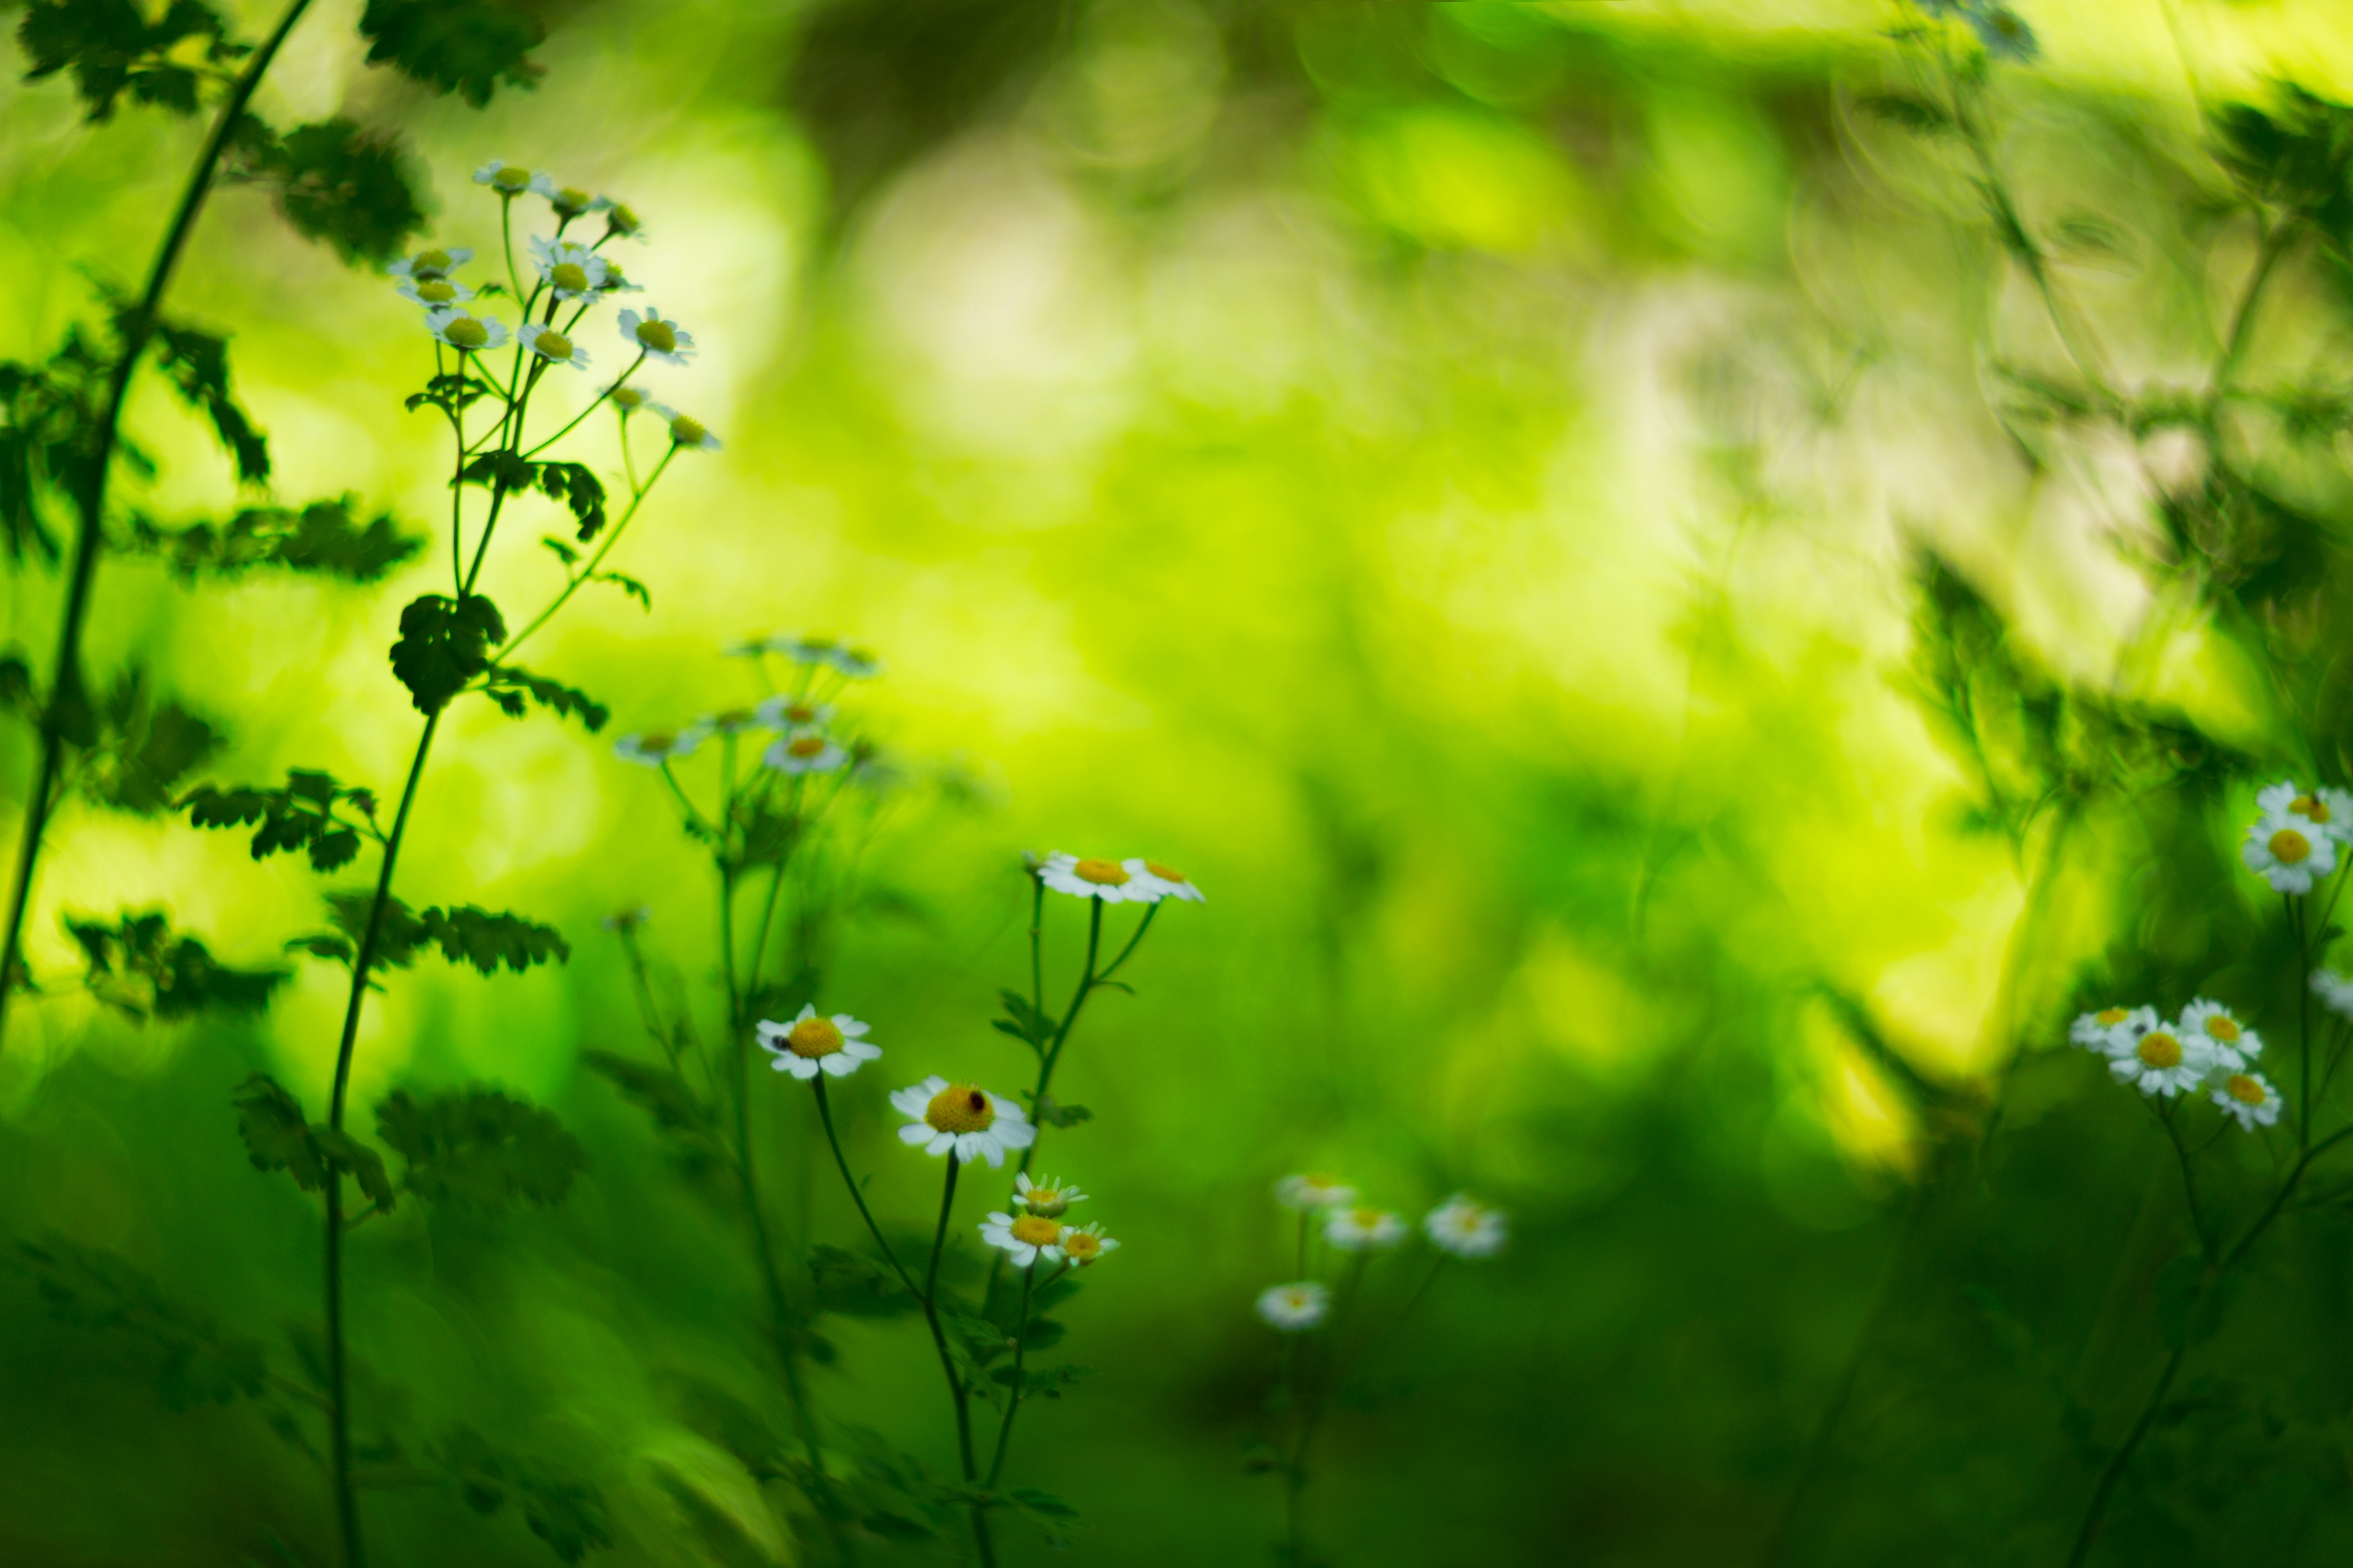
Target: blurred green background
[[1448, 476]]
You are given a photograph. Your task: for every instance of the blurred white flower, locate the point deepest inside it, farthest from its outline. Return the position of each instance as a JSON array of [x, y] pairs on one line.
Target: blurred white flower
[[1163, 882], [1083, 1244], [2249, 1095], [1467, 1229], [2289, 851], [2232, 1042], [1047, 1197], [685, 430], [554, 347], [652, 748], [1313, 1192], [794, 713], [2112, 1030], [1363, 1230], [511, 180], [575, 272], [811, 1043], [628, 399], [435, 293], [1106, 879], [809, 751], [1292, 1308], [659, 338], [467, 334], [962, 1117], [620, 220], [2336, 991], [1027, 1236], [2163, 1062], [428, 263], [2331, 810]]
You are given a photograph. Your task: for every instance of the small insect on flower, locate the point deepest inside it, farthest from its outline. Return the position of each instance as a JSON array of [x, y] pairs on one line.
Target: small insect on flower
[[2330, 810], [554, 346], [685, 430], [1163, 882], [1313, 1192], [2112, 1030], [574, 271], [2336, 991], [1048, 1197], [1084, 1245], [657, 336], [2232, 1042], [2164, 1061], [1027, 1236], [467, 334], [655, 747], [1295, 1308], [511, 180], [1467, 1229], [962, 1117], [2250, 1097], [1106, 879], [428, 263], [813, 1043], [1363, 1230], [2289, 851], [810, 752], [435, 293], [794, 713]]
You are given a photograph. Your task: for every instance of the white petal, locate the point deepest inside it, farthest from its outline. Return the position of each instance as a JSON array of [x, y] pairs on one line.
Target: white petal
[[916, 1133], [941, 1143]]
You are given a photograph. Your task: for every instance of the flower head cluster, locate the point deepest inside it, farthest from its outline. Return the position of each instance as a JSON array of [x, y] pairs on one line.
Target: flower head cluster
[[962, 1118], [2298, 836], [1461, 1227], [1117, 881], [1032, 1226], [818, 653], [2208, 1047], [813, 1043]]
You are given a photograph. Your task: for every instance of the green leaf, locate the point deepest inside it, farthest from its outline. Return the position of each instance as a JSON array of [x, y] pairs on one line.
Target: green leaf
[[356, 1159], [137, 966], [301, 815], [563, 552], [564, 1511], [343, 186], [857, 1286], [477, 1146], [656, 1090], [629, 585], [465, 46], [278, 1138], [1906, 112], [580, 489], [1043, 1333], [50, 417], [1049, 1513], [139, 748], [196, 362], [90, 1288], [112, 49], [1054, 1114], [470, 935], [325, 537], [978, 1339], [1043, 1381], [452, 393], [444, 644], [508, 685]]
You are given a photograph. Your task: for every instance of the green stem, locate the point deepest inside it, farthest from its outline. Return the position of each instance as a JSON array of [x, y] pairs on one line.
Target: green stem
[[592, 407], [588, 571], [2303, 1024], [825, 1117], [947, 1363], [1013, 1394], [2188, 1182], [137, 327], [2089, 1530], [1318, 1396]]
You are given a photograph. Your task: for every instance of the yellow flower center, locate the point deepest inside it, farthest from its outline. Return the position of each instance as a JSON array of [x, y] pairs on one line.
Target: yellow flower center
[[1080, 1246], [569, 200], [659, 741], [1102, 873], [2159, 1050], [2245, 1090], [686, 432], [627, 397], [2222, 1027], [552, 344], [805, 746], [1037, 1230], [1045, 1200], [2110, 1017], [2288, 847], [509, 178], [569, 276], [436, 291], [1166, 873], [466, 332], [813, 1036], [622, 220], [960, 1108], [1366, 1219], [801, 712], [429, 264], [659, 336], [1467, 1222], [2311, 808]]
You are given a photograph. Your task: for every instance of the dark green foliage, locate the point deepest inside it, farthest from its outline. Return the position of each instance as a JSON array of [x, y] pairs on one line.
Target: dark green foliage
[[1917, 115], [452, 393], [629, 585], [138, 748], [1051, 1113], [278, 1137], [48, 422], [465, 46], [508, 685], [579, 490], [342, 186], [444, 644], [893, 1494], [2296, 155], [562, 1509], [678, 1112], [718, 1540], [197, 363], [302, 814], [464, 934], [1022, 1020], [1049, 1513], [477, 1146], [1043, 1381], [112, 49], [137, 966], [857, 1286], [325, 537], [94, 1288]]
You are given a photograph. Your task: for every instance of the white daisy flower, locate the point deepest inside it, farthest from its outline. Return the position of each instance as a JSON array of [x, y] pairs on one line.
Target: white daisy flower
[[1363, 1230], [859, 664], [1083, 1245], [511, 180], [733, 721], [554, 346], [652, 748], [1163, 882], [574, 271], [2232, 1042], [571, 202], [428, 263], [2164, 1061], [794, 713], [629, 920], [657, 336], [685, 430], [2290, 851], [2336, 991], [1106, 879], [810, 752], [619, 219], [1292, 1308], [2250, 1097], [618, 281], [2330, 810], [626, 398], [467, 334], [1467, 1229], [1047, 1197], [1027, 1236], [2112, 1030], [811, 1043], [435, 293], [962, 1117], [1313, 1191]]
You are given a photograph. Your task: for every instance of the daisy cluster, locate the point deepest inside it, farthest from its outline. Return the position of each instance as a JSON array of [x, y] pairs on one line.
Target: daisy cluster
[[572, 277], [806, 740], [1116, 881], [2299, 836], [1034, 1229], [1459, 1227], [2206, 1048]]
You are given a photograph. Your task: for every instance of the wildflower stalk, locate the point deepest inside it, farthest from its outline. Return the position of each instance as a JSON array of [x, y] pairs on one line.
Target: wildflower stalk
[[857, 1196], [1013, 1393], [137, 326], [1317, 1398], [930, 1300]]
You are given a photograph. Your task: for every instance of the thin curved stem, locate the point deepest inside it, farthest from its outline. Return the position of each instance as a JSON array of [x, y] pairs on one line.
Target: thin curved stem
[[2089, 1530], [588, 571], [2188, 1182], [1013, 1393], [592, 407], [857, 1196], [138, 327], [947, 1364]]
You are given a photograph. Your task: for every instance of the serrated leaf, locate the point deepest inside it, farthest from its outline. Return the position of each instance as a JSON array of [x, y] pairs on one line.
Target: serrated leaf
[[579, 490], [356, 1160], [299, 814], [140, 967], [113, 49], [138, 747], [90, 1288], [479, 937], [345, 186], [563, 1510], [1054, 1114], [444, 644], [276, 1134], [465, 46], [477, 1146], [507, 685], [325, 537], [197, 363], [631, 586]]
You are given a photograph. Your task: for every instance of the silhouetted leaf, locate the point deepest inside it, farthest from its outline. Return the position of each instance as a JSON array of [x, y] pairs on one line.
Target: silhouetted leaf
[[301, 815], [477, 1146], [138, 749], [139, 967], [278, 1138], [470, 935], [508, 685], [564, 1511], [113, 49], [444, 644], [196, 362], [90, 1288], [465, 46], [345, 186], [325, 537]]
